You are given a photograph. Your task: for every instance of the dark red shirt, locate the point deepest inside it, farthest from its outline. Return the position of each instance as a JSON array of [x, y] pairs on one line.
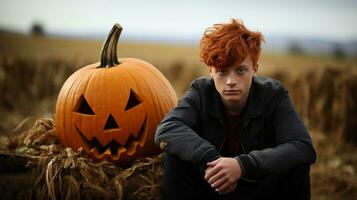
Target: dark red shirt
[[232, 143]]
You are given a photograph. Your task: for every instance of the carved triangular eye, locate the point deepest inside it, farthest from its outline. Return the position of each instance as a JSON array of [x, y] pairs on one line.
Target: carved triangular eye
[[133, 101], [83, 106]]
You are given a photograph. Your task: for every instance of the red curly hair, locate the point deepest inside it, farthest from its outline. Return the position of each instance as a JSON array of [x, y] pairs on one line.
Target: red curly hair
[[224, 44]]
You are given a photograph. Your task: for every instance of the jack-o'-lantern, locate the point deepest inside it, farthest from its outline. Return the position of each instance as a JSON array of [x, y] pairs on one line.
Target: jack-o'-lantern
[[111, 109]]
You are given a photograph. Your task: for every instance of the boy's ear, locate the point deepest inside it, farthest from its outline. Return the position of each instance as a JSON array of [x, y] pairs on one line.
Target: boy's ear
[[256, 68]]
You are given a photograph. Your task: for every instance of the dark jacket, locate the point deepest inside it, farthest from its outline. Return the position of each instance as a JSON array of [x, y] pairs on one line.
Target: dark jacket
[[273, 138]]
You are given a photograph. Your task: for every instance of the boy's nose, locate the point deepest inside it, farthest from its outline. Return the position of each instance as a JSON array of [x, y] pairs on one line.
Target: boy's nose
[[231, 80]]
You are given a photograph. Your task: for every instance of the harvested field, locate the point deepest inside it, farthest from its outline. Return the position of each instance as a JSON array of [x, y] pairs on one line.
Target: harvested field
[[32, 71]]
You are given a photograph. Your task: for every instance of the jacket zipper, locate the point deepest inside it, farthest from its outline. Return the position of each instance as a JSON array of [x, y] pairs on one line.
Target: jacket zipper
[[225, 135], [244, 151], [241, 136]]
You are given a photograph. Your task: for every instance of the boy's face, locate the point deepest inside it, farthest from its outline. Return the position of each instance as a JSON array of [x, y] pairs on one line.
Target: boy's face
[[233, 82]]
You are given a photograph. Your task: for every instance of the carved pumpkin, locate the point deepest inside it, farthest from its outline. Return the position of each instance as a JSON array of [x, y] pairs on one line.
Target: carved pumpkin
[[112, 108]]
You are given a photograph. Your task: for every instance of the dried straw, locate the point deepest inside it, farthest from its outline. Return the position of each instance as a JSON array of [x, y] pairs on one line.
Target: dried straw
[[58, 172]]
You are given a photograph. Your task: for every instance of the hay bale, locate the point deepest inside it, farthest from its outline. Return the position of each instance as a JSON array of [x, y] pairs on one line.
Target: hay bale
[[58, 172]]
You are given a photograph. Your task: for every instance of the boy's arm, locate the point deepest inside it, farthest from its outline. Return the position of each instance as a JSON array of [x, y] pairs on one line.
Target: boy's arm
[[176, 134], [294, 145]]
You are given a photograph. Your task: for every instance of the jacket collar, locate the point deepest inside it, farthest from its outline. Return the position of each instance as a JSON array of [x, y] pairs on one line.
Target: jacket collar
[[253, 106]]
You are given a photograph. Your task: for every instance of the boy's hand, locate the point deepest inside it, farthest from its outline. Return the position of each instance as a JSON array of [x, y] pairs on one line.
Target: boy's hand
[[222, 174]]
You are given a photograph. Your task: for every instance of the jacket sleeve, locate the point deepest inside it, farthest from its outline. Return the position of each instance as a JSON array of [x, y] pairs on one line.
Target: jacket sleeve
[[294, 145], [176, 132]]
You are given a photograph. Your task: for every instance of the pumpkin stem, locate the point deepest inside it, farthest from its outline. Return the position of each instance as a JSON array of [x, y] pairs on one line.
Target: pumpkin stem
[[109, 50]]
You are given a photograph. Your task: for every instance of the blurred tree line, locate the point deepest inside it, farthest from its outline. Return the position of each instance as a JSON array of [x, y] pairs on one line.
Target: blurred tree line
[[337, 51]]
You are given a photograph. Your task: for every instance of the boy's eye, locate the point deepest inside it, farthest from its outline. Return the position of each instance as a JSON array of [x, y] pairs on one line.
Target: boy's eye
[[221, 71], [241, 70]]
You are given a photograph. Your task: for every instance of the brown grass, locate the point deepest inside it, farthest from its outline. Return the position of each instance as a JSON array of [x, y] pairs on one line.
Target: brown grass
[[326, 100]]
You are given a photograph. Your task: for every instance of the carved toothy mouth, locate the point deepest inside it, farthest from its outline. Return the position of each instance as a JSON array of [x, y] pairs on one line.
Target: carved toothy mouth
[[113, 146]]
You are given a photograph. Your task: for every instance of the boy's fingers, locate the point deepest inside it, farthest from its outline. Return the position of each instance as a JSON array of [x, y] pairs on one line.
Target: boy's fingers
[[216, 181], [213, 163], [225, 188], [209, 173]]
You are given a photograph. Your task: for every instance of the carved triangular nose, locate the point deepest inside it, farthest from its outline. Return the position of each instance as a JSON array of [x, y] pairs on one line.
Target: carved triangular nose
[[111, 124]]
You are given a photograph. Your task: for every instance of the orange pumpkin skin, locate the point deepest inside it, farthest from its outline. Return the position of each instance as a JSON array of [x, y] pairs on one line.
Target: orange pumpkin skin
[[113, 112]]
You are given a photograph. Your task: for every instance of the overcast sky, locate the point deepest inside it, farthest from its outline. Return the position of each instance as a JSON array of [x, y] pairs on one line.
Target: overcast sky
[[333, 19]]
